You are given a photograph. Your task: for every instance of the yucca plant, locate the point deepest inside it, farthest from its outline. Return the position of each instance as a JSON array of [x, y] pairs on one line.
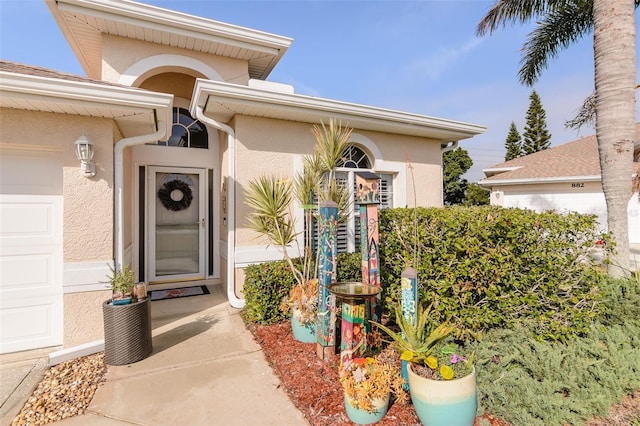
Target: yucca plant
[[270, 198]]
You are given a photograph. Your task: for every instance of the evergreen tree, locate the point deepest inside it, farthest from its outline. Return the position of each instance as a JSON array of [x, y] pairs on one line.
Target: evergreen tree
[[454, 164], [536, 136], [476, 195], [513, 144]]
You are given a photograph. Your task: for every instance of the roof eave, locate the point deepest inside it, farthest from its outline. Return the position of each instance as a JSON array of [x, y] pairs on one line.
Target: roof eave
[[315, 110], [487, 183], [152, 17], [93, 96]]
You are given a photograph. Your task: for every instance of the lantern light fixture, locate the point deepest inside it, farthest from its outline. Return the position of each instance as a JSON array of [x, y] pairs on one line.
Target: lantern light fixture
[[84, 153]]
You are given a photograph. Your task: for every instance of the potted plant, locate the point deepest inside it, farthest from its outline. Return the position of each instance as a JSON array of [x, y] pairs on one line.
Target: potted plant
[[302, 302], [270, 198], [122, 283], [368, 385], [442, 383], [127, 321]]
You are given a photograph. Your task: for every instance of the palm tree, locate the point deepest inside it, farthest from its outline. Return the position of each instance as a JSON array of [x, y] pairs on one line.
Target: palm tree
[[560, 23]]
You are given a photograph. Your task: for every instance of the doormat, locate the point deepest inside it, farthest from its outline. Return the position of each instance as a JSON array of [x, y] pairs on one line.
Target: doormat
[[179, 292]]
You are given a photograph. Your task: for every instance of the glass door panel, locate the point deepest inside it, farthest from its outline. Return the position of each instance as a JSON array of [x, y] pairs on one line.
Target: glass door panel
[[177, 224]]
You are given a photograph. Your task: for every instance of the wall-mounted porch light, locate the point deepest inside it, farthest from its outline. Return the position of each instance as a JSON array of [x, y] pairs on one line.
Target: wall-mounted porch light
[[84, 153]]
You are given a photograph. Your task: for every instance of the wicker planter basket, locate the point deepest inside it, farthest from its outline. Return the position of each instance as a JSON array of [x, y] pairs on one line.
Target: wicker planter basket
[[127, 332]]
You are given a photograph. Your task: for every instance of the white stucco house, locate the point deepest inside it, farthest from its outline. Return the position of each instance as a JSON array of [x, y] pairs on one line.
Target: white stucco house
[[563, 178], [169, 102]]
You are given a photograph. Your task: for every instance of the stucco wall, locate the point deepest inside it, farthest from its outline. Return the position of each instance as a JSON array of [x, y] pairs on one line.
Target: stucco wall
[[119, 54], [264, 147], [83, 321], [270, 147]]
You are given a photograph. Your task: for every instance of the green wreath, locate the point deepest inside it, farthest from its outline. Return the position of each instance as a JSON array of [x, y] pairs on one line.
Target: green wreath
[[164, 194]]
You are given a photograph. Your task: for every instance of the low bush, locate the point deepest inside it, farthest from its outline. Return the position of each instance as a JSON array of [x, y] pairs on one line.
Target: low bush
[[484, 267], [528, 382], [266, 284]]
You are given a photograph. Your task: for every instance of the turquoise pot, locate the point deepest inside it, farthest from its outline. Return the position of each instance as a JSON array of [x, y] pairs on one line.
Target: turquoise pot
[[444, 402], [306, 332], [362, 417]]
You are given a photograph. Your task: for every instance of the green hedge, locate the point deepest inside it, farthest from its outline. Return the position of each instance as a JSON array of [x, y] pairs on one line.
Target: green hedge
[[484, 267], [266, 284]]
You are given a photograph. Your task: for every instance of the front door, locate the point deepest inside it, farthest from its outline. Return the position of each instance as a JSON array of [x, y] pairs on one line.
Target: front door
[[177, 225]]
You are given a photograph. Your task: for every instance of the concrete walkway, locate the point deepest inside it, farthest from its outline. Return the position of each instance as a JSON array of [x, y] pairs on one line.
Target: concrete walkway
[[205, 369]]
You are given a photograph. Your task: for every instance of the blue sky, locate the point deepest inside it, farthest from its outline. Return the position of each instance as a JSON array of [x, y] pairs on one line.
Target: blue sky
[[415, 56]]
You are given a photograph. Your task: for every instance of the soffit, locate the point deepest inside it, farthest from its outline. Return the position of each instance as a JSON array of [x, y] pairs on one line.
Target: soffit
[[84, 21], [135, 111], [221, 101]]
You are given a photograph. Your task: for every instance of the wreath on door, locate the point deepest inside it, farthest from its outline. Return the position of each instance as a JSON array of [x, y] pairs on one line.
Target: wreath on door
[[175, 195]]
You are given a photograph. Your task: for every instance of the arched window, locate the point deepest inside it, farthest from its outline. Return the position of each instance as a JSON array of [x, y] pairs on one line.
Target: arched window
[[186, 131], [355, 159], [348, 238]]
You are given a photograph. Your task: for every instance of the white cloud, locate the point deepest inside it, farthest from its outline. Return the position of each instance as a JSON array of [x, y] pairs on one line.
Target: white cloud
[[441, 60]]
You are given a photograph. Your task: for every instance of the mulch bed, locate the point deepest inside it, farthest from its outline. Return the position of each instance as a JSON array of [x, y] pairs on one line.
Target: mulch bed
[[314, 385]]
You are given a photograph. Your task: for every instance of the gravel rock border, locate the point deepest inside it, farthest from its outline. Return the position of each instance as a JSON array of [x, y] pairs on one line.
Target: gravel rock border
[[66, 390]]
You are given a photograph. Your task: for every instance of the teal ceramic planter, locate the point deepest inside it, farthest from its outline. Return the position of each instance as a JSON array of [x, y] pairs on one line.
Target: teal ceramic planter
[[306, 332], [444, 402], [362, 417]]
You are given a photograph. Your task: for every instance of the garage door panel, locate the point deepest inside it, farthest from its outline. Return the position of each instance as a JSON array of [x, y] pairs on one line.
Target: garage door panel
[[31, 250], [29, 272], [30, 222], [32, 325]]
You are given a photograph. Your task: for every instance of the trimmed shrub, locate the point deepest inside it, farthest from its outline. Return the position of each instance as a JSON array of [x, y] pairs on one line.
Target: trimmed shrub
[[483, 267], [266, 284]]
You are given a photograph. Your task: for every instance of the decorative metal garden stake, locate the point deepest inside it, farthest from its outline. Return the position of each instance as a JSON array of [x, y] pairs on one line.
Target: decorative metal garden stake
[[353, 339], [368, 196], [328, 253], [409, 295]]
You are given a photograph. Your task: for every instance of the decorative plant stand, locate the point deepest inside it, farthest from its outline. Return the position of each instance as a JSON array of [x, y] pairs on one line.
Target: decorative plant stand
[[127, 332], [355, 316]]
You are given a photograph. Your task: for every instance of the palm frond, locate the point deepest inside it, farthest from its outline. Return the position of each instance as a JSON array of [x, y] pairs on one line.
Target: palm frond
[[554, 33], [509, 12]]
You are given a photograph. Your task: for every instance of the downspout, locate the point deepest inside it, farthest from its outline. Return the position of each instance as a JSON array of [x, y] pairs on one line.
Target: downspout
[[119, 171], [449, 147], [234, 301]]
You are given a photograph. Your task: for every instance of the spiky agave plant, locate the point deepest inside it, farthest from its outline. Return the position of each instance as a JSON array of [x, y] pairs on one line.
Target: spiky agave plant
[[416, 341]]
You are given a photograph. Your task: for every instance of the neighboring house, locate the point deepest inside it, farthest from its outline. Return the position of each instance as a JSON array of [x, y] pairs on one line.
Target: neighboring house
[[181, 118], [564, 178]]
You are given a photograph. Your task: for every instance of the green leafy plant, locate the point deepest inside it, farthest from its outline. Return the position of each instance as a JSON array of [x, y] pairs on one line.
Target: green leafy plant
[[485, 267], [267, 284], [121, 281]]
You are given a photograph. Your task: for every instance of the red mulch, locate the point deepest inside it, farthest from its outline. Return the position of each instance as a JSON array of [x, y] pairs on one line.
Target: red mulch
[[314, 386]]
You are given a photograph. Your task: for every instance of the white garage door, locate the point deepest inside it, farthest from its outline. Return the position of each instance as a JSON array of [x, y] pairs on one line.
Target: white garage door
[[31, 263], [583, 202]]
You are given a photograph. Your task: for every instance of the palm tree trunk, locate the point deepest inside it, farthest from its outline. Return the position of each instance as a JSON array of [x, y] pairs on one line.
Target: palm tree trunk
[[615, 75]]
